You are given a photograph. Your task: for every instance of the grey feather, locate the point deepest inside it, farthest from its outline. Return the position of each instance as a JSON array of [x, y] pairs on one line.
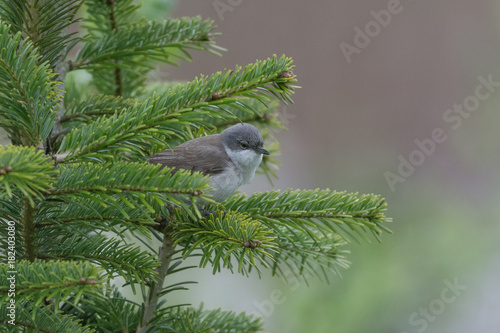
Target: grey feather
[[205, 154]]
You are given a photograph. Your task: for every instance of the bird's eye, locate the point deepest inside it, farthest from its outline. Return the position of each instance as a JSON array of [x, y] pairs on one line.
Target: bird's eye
[[244, 145]]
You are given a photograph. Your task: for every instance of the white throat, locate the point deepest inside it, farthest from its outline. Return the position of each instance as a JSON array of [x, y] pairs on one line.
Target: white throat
[[246, 161]]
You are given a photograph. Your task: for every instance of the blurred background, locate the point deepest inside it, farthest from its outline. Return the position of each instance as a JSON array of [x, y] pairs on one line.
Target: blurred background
[[377, 77]]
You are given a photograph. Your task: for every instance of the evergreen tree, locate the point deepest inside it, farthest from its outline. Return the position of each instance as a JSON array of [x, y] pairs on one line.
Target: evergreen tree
[[78, 199]]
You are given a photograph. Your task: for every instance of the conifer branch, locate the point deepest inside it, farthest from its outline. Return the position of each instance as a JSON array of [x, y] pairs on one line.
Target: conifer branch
[[158, 41], [186, 105], [128, 48], [166, 252], [44, 23], [92, 215], [307, 254], [45, 321], [28, 97], [302, 230], [128, 188], [54, 279], [107, 18], [96, 105], [119, 313], [337, 212], [129, 183], [227, 236], [91, 219], [187, 320], [26, 170], [109, 253], [48, 33], [98, 22]]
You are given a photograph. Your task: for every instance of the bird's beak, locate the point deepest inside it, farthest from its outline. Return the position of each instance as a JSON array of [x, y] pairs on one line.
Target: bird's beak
[[262, 151]]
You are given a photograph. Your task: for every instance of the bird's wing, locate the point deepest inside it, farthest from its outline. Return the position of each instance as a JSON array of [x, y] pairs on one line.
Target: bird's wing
[[205, 154]]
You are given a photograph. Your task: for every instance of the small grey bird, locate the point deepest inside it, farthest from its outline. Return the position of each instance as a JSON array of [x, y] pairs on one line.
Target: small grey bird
[[230, 158]]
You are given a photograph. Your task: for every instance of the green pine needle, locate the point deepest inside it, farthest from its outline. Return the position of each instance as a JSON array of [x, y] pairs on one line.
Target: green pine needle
[[131, 183], [346, 214], [134, 130], [40, 319], [186, 320], [56, 280], [26, 170], [28, 95], [227, 240], [44, 23], [159, 41], [116, 258]]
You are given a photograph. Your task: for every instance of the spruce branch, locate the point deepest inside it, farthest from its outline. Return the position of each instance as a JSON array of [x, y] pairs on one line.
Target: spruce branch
[[87, 214], [53, 280], [150, 304], [120, 313], [87, 110], [186, 105], [302, 230], [26, 170], [227, 236], [44, 23], [28, 97], [167, 42], [186, 320], [131, 47], [107, 18], [129, 183], [98, 22], [306, 254], [342, 213], [116, 258], [45, 321]]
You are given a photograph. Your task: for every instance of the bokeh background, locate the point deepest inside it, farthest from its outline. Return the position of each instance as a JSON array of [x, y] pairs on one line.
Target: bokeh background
[[349, 124]]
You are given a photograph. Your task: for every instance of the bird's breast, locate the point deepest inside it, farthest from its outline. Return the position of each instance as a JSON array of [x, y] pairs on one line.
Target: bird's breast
[[225, 183]]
